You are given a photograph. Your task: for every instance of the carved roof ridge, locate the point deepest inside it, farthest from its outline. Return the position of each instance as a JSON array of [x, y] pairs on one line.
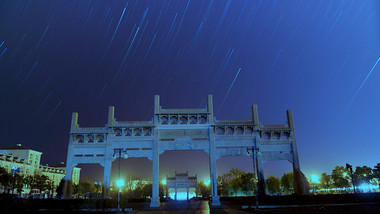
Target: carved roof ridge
[[83, 130], [237, 122]]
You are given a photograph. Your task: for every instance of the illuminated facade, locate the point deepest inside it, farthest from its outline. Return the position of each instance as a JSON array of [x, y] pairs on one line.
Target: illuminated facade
[[183, 129], [181, 180], [26, 159], [28, 162]]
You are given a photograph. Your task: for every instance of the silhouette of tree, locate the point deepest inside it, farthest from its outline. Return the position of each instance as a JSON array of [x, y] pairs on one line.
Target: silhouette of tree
[[273, 184], [5, 179], [287, 182], [60, 187], [247, 183], [203, 189], [340, 177], [325, 181], [376, 172], [363, 174]]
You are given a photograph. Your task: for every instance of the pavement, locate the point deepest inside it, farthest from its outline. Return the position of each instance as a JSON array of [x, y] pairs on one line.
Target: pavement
[[202, 207], [194, 207]]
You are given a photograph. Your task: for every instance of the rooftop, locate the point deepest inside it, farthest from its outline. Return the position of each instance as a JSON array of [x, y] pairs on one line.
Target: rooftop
[[17, 147]]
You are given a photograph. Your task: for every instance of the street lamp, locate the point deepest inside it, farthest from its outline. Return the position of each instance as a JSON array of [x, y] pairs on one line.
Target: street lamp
[[163, 182], [97, 185], [15, 170], [207, 182], [314, 179], [119, 182]]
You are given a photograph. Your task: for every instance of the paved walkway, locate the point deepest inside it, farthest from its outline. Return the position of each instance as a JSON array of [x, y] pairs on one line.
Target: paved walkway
[[195, 207]]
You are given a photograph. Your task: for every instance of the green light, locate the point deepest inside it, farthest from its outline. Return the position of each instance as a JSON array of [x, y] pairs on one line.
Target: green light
[[207, 182], [314, 178], [120, 183], [163, 182]]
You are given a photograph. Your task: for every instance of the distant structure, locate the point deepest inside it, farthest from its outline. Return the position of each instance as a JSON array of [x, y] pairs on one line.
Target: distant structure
[[28, 161], [183, 129], [181, 180]]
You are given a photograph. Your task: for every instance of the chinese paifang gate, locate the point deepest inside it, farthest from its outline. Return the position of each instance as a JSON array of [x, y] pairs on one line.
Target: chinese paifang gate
[[183, 129]]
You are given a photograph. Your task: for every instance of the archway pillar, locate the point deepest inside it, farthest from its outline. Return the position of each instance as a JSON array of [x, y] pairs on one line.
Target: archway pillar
[[260, 174], [107, 177], [155, 200], [213, 174], [299, 186]]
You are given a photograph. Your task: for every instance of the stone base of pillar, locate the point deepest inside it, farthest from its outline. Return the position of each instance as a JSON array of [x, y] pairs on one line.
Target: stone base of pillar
[[155, 202], [215, 201], [67, 189]]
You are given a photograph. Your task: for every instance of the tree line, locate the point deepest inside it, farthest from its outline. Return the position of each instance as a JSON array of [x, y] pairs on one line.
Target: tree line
[[16, 183], [341, 177], [238, 182]]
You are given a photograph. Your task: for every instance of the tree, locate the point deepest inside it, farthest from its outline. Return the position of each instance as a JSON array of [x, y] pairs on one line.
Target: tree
[[86, 187], [340, 177], [363, 175], [5, 179], [325, 180], [235, 184], [19, 183], [247, 183], [223, 184], [203, 189], [273, 184], [37, 181], [60, 187], [231, 182], [41, 182], [235, 172], [376, 172], [146, 190], [287, 182], [50, 188]]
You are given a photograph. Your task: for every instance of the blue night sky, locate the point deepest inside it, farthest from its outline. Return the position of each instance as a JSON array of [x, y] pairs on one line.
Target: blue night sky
[[318, 58]]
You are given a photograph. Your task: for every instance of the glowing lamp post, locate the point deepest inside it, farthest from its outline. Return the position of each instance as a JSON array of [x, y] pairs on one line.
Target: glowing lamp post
[[97, 185], [163, 182], [207, 182], [314, 180], [119, 184], [15, 170]]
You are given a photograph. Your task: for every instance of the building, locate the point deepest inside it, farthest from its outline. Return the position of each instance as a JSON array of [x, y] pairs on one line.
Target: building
[[181, 180], [28, 161]]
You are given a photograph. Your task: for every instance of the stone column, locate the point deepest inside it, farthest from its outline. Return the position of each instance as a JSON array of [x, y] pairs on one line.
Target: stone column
[[213, 174], [107, 177], [155, 200], [299, 187], [67, 190], [210, 108], [260, 174], [111, 116]]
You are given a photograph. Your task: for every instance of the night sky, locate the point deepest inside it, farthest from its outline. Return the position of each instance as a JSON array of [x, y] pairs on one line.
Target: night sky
[[319, 58]]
